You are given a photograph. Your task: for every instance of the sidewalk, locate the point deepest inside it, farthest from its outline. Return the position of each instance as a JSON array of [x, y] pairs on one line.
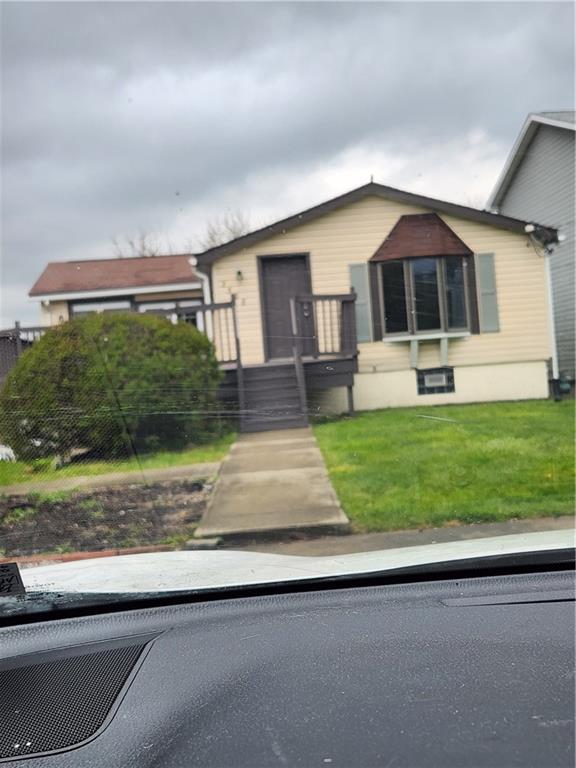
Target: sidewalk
[[273, 482], [370, 542], [145, 476]]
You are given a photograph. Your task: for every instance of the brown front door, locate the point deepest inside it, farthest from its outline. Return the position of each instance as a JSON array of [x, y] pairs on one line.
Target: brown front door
[[284, 277]]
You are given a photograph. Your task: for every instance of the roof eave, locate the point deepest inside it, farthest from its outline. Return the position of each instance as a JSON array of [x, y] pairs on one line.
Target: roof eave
[[208, 258], [99, 293]]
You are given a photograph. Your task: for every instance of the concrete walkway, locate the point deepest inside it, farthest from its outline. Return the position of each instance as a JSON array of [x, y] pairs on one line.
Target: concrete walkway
[[272, 482], [145, 476]]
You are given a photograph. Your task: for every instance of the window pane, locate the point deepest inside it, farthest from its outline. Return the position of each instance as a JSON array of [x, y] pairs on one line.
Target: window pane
[[455, 296], [85, 307], [156, 306], [426, 304], [395, 317]]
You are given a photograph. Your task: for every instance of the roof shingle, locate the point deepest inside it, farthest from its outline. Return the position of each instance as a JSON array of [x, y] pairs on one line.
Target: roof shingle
[[113, 274]]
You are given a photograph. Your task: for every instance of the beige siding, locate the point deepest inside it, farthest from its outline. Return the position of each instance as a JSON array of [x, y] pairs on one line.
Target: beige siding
[[53, 313], [473, 384], [351, 235]]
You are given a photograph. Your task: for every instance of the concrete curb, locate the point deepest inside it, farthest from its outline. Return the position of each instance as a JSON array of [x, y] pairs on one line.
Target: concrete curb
[[68, 557]]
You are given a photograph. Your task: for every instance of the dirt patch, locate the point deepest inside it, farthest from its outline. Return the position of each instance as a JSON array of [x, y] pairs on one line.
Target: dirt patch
[[103, 518]]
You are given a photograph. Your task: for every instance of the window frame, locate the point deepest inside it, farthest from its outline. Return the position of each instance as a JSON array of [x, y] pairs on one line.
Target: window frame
[[100, 306], [441, 281]]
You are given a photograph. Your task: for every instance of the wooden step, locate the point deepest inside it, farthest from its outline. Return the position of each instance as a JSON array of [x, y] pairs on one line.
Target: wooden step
[[265, 425], [267, 372], [273, 405], [271, 399], [280, 387]]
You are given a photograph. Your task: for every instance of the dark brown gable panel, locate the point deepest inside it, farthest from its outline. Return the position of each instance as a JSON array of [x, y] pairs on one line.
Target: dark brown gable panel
[[420, 235]]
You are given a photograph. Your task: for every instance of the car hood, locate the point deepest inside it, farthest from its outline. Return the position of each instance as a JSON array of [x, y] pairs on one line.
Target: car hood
[[198, 570]]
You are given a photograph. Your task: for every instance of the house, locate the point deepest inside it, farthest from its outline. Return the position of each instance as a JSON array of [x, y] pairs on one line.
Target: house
[[142, 284], [537, 182], [450, 303], [377, 298]]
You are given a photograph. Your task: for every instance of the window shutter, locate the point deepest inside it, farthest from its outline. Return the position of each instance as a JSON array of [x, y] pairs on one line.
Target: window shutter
[[487, 299], [359, 281], [373, 278]]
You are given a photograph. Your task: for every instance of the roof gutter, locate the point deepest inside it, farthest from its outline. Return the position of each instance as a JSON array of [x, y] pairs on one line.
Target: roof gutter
[[206, 292], [106, 293]]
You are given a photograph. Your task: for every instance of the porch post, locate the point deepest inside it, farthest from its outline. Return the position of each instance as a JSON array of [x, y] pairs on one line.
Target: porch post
[[239, 369], [18, 338], [297, 354]]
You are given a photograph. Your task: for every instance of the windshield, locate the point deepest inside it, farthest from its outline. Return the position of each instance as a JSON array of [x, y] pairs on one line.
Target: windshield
[[287, 292]]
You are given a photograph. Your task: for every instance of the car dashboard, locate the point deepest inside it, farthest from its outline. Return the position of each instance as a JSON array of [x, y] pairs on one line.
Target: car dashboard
[[475, 671]]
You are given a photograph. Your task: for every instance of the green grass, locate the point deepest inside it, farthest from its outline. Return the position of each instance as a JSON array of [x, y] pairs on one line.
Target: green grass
[[12, 473], [408, 468]]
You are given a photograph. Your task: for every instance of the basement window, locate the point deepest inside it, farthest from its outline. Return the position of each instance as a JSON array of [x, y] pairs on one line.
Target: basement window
[[433, 381]]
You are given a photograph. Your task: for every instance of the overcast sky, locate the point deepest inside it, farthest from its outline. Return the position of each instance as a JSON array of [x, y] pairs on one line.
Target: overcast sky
[[121, 117]]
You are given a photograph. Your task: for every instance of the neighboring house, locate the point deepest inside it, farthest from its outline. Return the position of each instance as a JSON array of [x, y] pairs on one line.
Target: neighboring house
[[378, 298], [158, 284], [538, 182]]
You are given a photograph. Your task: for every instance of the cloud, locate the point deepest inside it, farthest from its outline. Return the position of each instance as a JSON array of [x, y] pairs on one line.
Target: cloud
[[110, 109]]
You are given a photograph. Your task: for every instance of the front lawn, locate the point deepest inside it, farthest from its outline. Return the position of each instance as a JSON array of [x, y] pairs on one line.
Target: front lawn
[[426, 467], [41, 470]]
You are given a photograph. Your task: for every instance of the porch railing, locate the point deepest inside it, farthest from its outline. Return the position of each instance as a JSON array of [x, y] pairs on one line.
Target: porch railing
[[326, 324], [218, 321]]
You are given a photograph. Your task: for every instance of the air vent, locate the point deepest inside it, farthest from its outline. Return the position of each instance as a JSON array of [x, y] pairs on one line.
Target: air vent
[[433, 381], [58, 699]]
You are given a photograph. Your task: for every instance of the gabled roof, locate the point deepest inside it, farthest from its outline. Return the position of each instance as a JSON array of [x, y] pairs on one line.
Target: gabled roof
[[99, 276], [419, 235], [563, 116], [546, 234], [564, 120]]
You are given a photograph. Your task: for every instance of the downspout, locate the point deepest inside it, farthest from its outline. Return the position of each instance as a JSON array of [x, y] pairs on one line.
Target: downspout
[[551, 326], [547, 253], [206, 294]]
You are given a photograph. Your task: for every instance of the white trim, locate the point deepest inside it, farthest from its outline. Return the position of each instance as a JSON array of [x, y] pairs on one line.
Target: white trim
[[207, 300], [518, 151], [427, 337], [104, 293], [99, 306]]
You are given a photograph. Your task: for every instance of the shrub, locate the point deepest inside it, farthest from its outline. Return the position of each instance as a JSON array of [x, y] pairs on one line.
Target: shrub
[[111, 383]]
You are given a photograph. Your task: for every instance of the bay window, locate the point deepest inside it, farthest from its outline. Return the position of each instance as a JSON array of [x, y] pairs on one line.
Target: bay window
[[425, 295]]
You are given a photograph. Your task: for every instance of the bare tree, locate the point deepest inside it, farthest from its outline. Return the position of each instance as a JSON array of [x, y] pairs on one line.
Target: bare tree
[[222, 229], [142, 244]]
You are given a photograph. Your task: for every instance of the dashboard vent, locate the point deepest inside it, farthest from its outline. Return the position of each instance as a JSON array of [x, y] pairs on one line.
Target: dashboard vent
[[59, 699]]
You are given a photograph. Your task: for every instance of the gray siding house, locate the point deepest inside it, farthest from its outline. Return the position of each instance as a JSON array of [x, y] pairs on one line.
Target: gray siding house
[[537, 183]]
